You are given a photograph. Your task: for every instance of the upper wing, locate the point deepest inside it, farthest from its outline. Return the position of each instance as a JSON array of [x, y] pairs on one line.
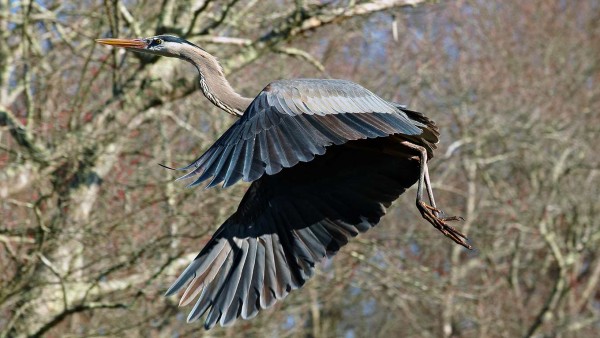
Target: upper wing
[[288, 222], [291, 121]]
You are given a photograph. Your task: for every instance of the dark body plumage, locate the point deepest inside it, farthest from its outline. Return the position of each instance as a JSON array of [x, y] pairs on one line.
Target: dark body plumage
[[288, 222]]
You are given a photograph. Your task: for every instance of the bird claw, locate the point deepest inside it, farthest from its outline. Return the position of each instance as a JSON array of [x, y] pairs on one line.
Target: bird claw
[[431, 215]]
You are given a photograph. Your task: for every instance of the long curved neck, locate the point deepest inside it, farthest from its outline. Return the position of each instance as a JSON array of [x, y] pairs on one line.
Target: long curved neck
[[213, 83]]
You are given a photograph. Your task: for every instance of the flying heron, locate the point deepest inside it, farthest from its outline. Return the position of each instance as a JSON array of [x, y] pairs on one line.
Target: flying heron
[[325, 158]]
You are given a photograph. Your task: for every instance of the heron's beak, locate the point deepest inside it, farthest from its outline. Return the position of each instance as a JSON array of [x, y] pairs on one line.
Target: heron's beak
[[125, 43]]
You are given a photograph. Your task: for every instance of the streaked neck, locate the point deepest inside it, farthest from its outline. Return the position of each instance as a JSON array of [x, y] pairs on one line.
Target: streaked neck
[[213, 83]]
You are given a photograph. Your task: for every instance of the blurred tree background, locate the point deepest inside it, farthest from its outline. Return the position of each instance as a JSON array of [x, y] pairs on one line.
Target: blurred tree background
[[93, 231]]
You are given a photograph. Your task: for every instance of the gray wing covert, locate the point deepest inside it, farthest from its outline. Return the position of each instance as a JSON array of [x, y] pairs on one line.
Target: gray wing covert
[[291, 121]]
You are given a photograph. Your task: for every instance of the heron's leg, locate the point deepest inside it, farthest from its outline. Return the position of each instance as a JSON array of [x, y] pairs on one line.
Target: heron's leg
[[428, 186], [431, 212]]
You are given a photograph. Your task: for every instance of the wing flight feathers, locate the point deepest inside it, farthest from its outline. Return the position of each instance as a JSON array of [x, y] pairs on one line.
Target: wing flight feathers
[[287, 223], [292, 121]]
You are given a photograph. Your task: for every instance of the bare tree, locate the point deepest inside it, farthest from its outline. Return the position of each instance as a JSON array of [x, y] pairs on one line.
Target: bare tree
[[92, 231]]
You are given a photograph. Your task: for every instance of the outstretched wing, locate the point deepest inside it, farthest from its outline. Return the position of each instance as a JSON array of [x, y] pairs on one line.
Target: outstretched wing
[[291, 121], [288, 222]]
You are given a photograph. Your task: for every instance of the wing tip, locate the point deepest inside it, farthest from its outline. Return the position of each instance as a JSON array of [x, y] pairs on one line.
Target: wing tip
[[170, 291], [176, 286]]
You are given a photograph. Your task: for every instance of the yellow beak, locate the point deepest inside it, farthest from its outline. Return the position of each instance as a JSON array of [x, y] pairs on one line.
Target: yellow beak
[[125, 43]]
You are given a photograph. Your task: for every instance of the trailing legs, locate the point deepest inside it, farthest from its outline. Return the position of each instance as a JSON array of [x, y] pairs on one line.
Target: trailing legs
[[430, 212]]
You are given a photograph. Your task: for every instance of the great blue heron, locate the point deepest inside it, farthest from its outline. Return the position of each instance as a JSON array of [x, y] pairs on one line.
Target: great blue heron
[[325, 158]]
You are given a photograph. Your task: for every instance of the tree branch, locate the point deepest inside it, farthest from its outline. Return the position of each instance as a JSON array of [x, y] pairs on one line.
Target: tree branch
[[68, 312]]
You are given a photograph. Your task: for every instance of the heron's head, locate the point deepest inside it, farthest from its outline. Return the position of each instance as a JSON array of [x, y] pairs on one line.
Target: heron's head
[[164, 45]]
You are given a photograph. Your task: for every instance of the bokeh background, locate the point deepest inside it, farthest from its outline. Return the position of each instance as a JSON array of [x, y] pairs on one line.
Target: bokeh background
[[93, 231]]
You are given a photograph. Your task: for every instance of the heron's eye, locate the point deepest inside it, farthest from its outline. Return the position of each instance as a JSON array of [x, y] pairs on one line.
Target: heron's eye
[[155, 42]]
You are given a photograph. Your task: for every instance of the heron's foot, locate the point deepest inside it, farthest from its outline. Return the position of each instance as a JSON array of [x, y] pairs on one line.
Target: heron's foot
[[431, 214]]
